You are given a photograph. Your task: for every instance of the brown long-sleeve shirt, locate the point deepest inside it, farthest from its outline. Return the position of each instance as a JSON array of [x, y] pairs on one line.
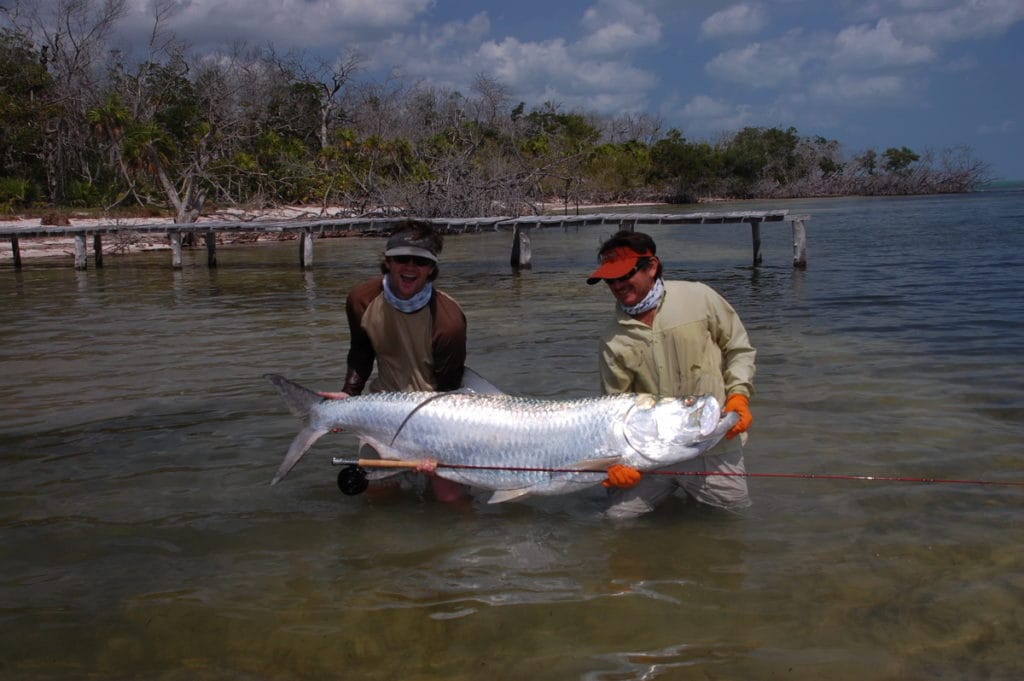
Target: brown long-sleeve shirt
[[422, 350]]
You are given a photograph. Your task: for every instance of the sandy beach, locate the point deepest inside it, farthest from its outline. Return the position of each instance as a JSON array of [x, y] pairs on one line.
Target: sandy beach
[[44, 247]]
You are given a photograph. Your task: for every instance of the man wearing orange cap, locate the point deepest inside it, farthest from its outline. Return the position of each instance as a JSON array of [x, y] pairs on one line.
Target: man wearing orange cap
[[674, 338]]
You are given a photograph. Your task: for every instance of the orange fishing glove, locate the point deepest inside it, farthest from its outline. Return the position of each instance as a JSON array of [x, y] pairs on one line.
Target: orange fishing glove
[[621, 476], [740, 404]]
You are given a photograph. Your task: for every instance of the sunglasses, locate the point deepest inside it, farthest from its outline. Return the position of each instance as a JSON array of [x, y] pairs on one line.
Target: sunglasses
[[414, 259]]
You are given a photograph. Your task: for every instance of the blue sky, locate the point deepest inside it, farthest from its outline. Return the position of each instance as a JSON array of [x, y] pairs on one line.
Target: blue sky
[[927, 74]]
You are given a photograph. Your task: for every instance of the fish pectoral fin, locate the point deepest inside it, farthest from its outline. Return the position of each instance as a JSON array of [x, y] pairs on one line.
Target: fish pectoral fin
[[503, 495], [368, 449], [377, 449], [372, 449], [599, 464]]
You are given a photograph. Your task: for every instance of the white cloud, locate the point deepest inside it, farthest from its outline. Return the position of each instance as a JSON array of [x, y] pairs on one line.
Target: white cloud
[[435, 53], [593, 84], [967, 62], [761, 64], [703, 106], [453, 35], [964, 20], [551, 70], [706, 115], [617, 25], [876, 46], [863, 91], [286, 23], [1004, 127], [515, 62], [742, 19]]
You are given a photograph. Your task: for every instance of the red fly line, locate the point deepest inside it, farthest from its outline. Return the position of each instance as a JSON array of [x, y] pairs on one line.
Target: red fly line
[[798, 476]]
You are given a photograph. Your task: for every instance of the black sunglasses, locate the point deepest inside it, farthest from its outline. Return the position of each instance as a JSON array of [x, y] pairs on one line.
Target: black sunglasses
[[414, 259], [640, 264]]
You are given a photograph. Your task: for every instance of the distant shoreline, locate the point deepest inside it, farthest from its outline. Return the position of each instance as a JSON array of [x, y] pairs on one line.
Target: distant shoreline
[[33, 248], [55, 247]]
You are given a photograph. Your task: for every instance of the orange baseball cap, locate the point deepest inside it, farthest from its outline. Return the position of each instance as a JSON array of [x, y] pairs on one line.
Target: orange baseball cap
[[615, 263]]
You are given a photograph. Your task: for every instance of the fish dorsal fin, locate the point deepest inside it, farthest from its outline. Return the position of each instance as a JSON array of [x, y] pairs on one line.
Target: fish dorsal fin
[[599, 464], [503, 495], [472, 382]]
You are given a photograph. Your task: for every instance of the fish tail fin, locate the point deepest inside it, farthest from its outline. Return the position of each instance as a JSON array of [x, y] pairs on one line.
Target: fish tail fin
[[300, 402]]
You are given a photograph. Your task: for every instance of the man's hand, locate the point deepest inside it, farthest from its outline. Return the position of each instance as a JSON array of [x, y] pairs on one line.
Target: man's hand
[[427, 466], [621, 476], [740, 404], [334, 396]]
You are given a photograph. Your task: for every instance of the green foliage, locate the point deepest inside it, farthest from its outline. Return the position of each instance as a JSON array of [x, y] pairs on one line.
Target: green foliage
[[617, 169], [829, 166], [868, 161], [178, 111], [898, 160], [257, 130], [17, 192], [689, 170], [26, 103], [83, 194], [109, 118], [547, 130], [755, 154]]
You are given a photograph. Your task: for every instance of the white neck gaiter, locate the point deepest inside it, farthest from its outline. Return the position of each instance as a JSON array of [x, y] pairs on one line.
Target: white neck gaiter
[[412, 304], [649, 302]]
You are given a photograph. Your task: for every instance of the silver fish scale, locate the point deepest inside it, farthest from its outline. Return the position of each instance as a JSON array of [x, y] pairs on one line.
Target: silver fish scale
[[490, 430]]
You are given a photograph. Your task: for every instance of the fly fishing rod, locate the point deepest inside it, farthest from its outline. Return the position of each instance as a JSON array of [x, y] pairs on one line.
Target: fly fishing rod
[[352, 478]]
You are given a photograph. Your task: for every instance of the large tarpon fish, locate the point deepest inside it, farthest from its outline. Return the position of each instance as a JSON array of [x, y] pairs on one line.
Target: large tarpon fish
[[497, 430]]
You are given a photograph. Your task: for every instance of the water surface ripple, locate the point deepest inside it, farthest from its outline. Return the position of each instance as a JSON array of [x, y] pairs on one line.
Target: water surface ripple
[[141, 538]]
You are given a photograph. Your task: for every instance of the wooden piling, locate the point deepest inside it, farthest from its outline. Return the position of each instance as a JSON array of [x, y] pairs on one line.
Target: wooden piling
[[175, 250], [97, 249], [522, 256], [16, 249], [755, 235], [305, 249], [80, 261], [211, 249], [799, 241]]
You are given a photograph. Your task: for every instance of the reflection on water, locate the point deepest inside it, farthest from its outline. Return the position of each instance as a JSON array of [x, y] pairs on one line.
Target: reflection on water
[[141, 537]]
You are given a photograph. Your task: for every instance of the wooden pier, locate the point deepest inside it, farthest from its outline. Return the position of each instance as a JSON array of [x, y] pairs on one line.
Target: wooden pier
[[308, 230]]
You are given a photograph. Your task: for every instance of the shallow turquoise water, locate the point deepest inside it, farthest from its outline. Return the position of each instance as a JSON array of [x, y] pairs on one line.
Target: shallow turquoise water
[[141, 538]]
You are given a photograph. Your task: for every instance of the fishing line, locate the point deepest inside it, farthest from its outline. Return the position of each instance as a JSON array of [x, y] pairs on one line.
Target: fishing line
[[353, 471]]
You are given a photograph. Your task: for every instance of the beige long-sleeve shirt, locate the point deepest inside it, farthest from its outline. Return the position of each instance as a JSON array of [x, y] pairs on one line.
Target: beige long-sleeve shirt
[[423, 350], [696, 345]]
